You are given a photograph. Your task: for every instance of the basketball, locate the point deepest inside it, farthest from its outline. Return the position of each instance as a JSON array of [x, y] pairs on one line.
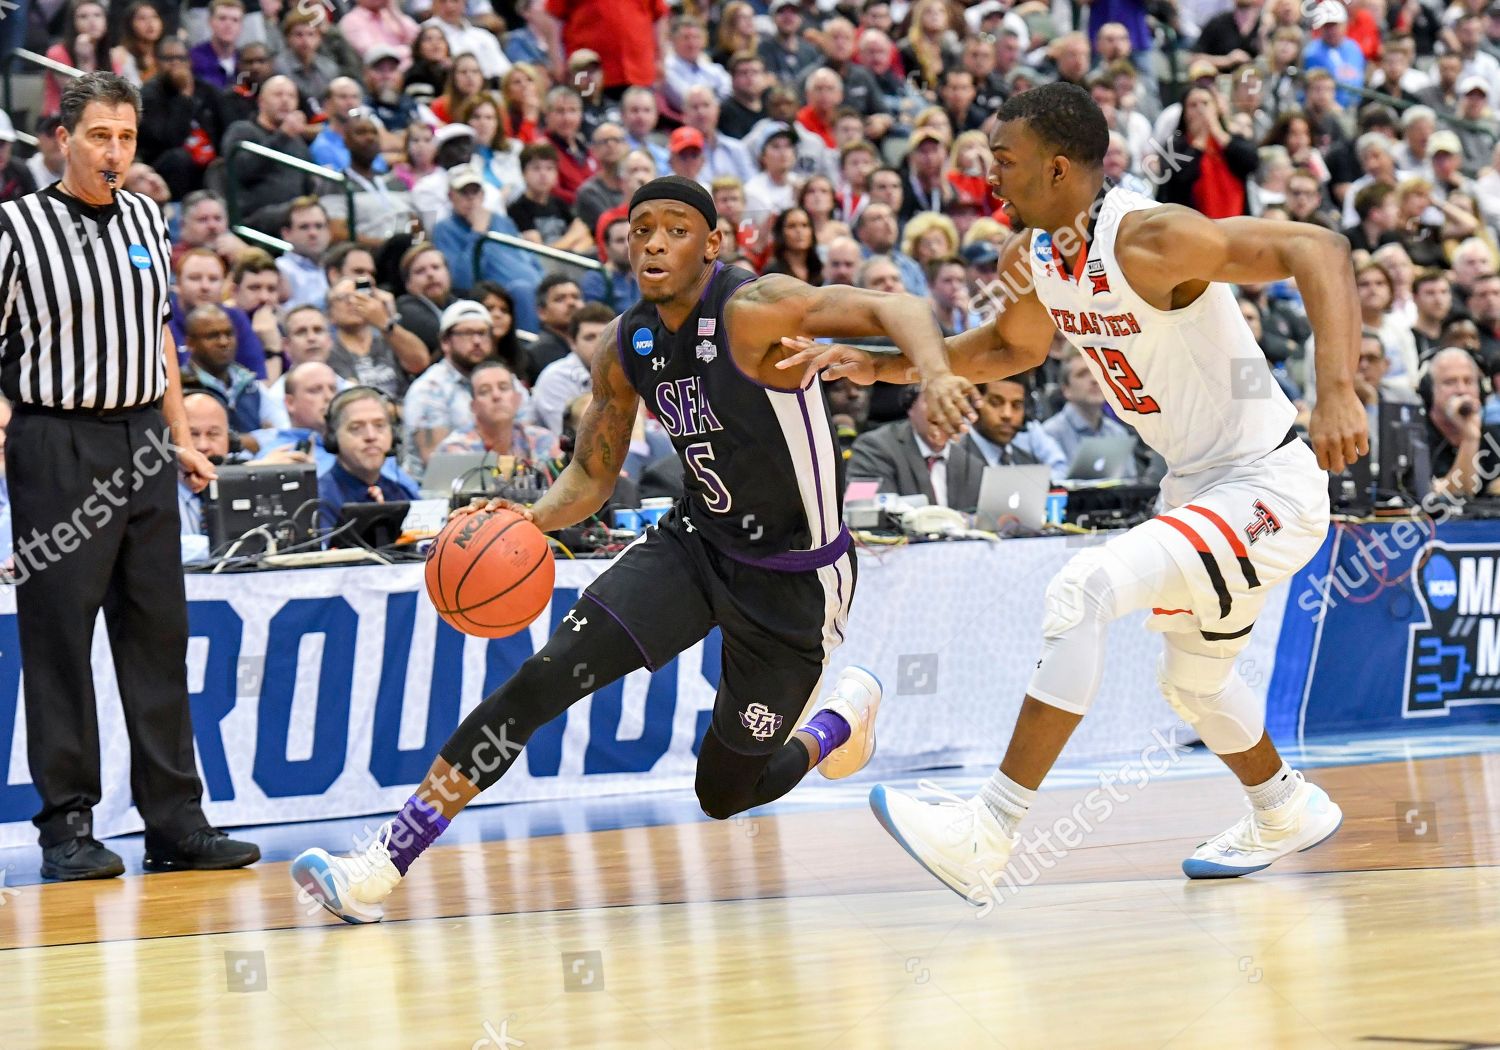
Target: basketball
[[490, 574]]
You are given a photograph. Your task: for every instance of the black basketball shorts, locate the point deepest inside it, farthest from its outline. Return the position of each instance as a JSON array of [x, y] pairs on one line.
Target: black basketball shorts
[[669, 588]]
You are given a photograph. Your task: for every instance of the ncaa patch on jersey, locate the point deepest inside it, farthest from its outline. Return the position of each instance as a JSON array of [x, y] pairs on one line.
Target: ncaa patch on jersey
[[707, 351], [707, 326], [642, 342], [139, 257]]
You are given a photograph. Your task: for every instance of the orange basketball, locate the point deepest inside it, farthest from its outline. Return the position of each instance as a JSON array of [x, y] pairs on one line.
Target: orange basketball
[[490, 573]]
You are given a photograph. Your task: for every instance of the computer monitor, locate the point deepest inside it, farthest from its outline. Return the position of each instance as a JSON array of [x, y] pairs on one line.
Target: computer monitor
[[1405, 461], [445, 468], [1103, 458], [374, 525], [279, 497], [1018, 493]]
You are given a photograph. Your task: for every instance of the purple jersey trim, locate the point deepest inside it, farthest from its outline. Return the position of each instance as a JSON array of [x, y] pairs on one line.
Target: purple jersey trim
[[798, 561], [839, 582], [620, 345]]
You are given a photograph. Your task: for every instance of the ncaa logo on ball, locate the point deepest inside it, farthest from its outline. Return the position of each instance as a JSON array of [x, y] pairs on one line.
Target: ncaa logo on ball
[[139, 257], [1441, 581], [642, 342]]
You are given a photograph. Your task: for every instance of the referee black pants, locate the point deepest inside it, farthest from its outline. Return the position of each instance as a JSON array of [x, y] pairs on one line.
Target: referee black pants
[[96, 526]]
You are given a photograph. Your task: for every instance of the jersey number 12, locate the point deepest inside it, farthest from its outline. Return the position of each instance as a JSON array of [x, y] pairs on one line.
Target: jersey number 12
[[1122, 380]]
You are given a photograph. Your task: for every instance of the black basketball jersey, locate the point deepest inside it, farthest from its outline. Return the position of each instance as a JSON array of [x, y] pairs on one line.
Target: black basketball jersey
[[761, 467]]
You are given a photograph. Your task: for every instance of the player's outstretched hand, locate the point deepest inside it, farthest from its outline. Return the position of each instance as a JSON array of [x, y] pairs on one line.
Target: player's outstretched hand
[[950, 403], [833, 360], [491, 504], [1339, 430]]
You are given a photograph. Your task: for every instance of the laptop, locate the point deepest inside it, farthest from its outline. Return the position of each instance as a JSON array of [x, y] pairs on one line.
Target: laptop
[[444, 468], [1102, 459], [280, 497], [1014, 494]]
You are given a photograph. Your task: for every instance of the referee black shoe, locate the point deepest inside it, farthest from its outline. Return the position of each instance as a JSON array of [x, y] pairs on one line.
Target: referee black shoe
[[207, 849], [76, 859]]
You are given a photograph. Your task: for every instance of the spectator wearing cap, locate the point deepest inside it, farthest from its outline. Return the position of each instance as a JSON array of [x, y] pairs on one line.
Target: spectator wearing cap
[[981, 261], [774, 188], [722, 155], [687, 65], [455, 149], [686, 149], [187, 120], [458, 234], [264, 187], [1333, 50], [562, 121], [15, 180], [539, 213], [379, 24], [639, 115], [1478, 137], [1447, 153], [437, 402], [786, 54], [1468, 33], [569, 377], [466, 38], [927, 187]]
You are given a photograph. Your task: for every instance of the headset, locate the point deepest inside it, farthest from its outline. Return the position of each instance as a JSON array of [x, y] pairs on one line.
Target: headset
[[343, 399]]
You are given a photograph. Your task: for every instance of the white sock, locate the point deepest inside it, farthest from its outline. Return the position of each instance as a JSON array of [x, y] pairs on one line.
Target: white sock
[[1007, 800], [1274, 792]]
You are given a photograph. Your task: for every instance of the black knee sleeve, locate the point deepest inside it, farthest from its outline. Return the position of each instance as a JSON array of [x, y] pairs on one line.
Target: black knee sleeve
[[729, 782], [572, 664]]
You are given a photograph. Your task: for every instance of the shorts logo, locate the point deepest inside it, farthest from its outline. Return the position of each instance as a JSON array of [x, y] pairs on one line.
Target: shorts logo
[[139, 257], [761, 721], [642, 342], [1264, 524], [707, 351]]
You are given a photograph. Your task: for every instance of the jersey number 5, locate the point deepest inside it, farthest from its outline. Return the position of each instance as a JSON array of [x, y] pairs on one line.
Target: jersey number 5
[[699, 457], [1122, 380]]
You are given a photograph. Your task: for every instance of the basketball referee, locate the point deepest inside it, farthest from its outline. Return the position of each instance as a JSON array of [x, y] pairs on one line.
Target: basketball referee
[[93, 453]]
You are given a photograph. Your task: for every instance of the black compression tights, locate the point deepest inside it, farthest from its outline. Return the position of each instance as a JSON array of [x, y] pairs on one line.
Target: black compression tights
[[575, 663]]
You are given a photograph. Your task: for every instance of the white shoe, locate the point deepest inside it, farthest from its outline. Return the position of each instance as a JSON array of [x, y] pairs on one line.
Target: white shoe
[[958, 840], [350, 887], [856, 698], [1258, 840]]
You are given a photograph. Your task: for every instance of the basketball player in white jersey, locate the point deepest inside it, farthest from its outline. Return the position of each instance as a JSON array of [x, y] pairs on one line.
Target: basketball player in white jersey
[[1143, 291]]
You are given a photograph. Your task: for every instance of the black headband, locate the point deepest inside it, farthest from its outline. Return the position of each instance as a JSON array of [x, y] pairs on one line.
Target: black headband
[[677, 188]]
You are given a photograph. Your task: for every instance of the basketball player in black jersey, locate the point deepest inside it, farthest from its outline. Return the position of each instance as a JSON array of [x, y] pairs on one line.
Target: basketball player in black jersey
[[756, 546]]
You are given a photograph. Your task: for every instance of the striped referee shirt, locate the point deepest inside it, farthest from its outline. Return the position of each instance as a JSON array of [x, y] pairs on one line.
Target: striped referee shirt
[[83, 301]]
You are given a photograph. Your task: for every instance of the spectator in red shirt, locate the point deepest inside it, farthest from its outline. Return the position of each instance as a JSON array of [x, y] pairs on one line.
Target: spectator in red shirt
[[630, 37], [562, 121], [825, 93]]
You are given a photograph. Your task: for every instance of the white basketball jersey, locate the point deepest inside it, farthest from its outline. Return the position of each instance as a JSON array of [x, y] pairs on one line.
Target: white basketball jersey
[[1193, 382]]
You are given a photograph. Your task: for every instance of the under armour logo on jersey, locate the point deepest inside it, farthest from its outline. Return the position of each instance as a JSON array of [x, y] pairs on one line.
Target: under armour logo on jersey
[[658, 363], [761, 721], [578, 624], [1099, 278], [1264, 523]]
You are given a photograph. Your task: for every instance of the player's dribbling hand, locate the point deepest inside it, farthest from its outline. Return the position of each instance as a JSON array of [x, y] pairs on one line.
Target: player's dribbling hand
[[1339, 430], [491, 504], [950, 403]]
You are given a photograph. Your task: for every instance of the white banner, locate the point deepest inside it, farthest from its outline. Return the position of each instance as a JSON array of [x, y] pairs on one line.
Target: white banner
[[325, 693]]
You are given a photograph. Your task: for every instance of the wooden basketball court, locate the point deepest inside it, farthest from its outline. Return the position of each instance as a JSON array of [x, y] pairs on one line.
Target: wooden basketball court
[[810, 928]]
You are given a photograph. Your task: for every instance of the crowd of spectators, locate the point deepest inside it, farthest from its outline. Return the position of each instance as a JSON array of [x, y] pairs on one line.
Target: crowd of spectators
[[843, 142]]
